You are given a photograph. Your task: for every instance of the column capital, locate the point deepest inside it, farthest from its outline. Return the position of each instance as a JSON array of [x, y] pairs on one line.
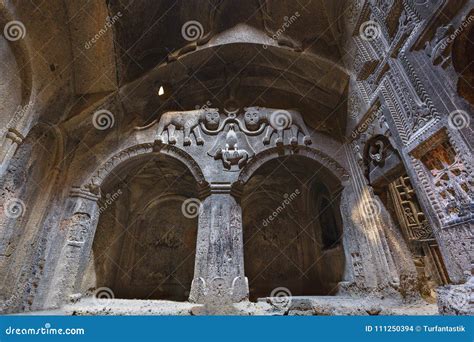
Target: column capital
[[220, 188], [89, 194], [15, 136], [225, 188]]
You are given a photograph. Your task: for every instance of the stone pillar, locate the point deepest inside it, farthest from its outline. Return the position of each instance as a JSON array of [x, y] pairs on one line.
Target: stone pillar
[[76, 232], [219, 269], [369, 260]]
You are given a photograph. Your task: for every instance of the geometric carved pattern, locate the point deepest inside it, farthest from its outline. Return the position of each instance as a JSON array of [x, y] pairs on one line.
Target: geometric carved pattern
[[419, 235], [413, 221], [450, 178]]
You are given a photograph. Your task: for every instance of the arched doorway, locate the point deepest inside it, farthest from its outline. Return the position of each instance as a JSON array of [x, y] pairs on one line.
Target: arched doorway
[[292, 228], [145, 244]]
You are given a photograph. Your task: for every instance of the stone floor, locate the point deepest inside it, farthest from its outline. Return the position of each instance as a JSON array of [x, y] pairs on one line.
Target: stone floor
[[265, 306]]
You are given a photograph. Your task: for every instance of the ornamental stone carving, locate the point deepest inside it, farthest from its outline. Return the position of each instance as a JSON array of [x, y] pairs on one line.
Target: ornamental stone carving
[[231, 155], [277, 121], [437, 48], [189, 122], [236, 136]]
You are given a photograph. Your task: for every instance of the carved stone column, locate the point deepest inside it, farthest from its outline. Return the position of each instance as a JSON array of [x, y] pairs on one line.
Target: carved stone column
[[76, 232], [365, 242], [219, 269]]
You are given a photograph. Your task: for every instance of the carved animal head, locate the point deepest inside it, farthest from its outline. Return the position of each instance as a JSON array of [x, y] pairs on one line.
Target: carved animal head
[[212, 118], [252, 118], [231, 138], [376, 151]]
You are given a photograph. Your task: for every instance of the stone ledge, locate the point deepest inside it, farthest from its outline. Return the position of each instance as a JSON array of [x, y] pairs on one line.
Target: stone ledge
[[327, 306]]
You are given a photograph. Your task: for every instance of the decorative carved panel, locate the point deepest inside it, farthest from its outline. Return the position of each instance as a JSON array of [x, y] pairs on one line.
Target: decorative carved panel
[[233, 134], [419, 235], [413, 221], [450, 178]]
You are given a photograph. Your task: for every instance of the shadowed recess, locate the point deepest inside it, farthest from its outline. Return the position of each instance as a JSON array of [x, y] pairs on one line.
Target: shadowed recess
[[292, 229]]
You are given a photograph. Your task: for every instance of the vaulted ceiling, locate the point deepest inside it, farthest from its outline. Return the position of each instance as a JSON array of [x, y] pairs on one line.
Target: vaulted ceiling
[[272, 53], [149, 30], [283, 54]]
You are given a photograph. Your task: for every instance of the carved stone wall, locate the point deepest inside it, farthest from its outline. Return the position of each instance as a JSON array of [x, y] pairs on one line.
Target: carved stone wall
[[411, 65]]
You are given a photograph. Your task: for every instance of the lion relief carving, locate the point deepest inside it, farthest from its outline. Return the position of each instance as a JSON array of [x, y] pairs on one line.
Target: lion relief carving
[[278, 120], [189, 122]]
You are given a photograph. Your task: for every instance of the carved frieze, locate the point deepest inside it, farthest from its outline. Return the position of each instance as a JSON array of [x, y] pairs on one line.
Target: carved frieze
[[277, 121], [393, 76], [366, 59], [406, 24], [233, 134]]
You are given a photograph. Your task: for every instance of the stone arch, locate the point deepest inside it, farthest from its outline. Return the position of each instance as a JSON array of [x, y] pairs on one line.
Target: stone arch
[[82, 213], [127, 155], [333, 166], [20, 52], [16, 92], [148, 219], [144, 246], [287, 215]]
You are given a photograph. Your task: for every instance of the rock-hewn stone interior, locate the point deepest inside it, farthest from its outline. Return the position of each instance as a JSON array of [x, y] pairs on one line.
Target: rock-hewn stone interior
[[292, 230], [144, 247]]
